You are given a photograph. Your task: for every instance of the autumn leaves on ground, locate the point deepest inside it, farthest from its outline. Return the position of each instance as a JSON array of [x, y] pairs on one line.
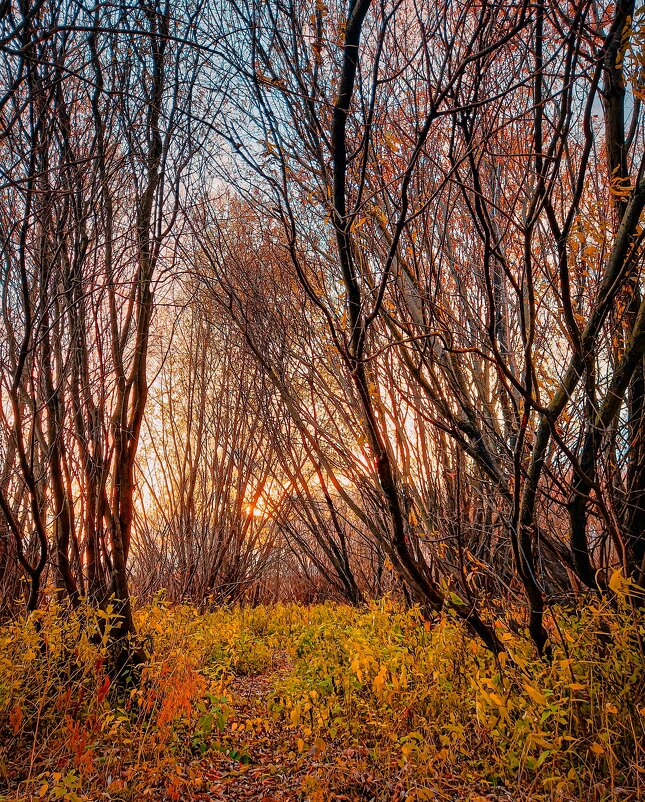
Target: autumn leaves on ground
[[321, 703]]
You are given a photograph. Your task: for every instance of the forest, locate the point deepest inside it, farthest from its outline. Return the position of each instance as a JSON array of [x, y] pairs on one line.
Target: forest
[[322, 400]]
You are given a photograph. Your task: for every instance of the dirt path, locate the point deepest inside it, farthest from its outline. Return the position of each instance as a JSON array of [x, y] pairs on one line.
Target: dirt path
[[255, 759]]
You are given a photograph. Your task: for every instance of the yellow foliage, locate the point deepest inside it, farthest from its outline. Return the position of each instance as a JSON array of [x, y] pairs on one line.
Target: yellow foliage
[[425, 701]]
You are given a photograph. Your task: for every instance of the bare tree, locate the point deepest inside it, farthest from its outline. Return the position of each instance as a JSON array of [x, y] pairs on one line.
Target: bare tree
[[93, 159], [431, 167], [206, 532]]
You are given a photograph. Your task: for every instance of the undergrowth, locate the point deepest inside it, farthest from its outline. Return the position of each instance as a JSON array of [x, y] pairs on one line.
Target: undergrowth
[[414, 700]]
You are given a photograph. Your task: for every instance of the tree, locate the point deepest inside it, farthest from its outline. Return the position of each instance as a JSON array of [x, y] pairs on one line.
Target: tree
[[432, 169], [93, 157], [205, 532]]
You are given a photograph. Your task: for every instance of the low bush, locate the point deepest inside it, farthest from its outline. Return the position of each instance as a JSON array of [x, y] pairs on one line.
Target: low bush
[[410, 699]]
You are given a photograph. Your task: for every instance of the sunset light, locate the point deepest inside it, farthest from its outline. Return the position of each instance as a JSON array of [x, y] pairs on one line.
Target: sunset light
[[322, 401]]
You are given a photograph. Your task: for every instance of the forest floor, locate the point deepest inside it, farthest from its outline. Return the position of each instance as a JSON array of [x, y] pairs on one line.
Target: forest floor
[[260, 762], [321, 704]]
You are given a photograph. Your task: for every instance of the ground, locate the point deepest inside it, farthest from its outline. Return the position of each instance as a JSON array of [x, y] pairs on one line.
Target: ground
[[267, 768], [321, 704]]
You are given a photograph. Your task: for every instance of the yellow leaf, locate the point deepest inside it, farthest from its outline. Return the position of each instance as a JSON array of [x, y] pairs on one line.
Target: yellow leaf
[[379, 680], [597, 749], [535, 694], [497, 699], [616, 581]]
